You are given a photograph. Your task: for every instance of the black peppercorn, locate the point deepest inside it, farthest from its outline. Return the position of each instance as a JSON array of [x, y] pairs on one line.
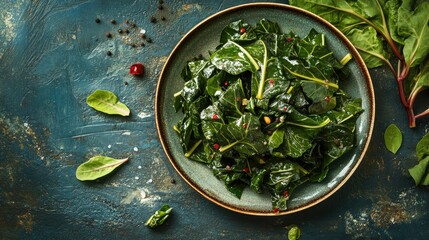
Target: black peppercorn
[[113, 21], [162, 18], [109, 53], [119, 30], [127, 31], [149, 40], [173, 181], [153, 19], [108, 35], [97, 20], [142, 44]]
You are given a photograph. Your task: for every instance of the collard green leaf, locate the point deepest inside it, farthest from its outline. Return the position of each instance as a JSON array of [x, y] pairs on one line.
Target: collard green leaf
[[336, 141], [159, 217], [230, 101], [244, 136], [256, 183], [265, 26], [393, 138], [107, 102], [276, 139], [234, 59], [422, 148], [97, 167], [297, 141], [232, 32]]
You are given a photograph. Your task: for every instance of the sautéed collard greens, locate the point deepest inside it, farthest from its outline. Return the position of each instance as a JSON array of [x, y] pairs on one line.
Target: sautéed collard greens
[[266, 110]]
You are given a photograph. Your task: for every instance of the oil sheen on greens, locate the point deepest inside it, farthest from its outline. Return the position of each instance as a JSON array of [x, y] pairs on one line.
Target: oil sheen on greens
[[266, 110]]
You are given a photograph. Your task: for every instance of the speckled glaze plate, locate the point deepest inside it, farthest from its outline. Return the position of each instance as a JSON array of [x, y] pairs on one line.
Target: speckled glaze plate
[[204, 37]]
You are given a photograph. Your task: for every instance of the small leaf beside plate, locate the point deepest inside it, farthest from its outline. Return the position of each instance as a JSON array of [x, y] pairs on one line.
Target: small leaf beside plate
[[107, 102]]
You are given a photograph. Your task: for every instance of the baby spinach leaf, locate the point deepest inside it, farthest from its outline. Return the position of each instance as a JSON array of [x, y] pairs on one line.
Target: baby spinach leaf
[[97, 167], [393, 138], [159, 217], [422, 148], [107, 102]]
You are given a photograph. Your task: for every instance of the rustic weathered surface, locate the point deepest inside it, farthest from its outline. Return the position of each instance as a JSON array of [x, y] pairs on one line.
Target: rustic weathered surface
[[53, 55]]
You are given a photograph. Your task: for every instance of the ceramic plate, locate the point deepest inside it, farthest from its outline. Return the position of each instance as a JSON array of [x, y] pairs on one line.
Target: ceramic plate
[[204, 37]]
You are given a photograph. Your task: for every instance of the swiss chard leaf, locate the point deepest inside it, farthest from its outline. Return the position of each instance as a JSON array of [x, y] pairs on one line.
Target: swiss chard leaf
[[417, 26], [370, 46]]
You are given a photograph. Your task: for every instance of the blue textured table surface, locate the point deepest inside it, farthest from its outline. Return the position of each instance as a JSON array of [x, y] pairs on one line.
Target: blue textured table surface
[[53, 55]]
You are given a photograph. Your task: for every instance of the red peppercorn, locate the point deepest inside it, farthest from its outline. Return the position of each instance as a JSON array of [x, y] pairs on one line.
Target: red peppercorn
[[327, 98], [246, 170], [215, 116], [137, 69], [242, 30], [286, 194], [276, 210], [216, 146], [289, 39], [271, 81], [226, 83], [284, 108], [244, 125]]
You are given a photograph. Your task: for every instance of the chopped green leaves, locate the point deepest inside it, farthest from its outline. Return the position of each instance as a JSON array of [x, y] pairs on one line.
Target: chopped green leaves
[[107, 102], [393, 138], [266, 110], [97, 167], [159, 217]]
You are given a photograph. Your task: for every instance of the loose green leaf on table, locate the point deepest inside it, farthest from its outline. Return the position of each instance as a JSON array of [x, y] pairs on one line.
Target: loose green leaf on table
[[159, 217], [420, 172], [107, 102], [422, 148], [393, 138], [294, 232], [97, 167]]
